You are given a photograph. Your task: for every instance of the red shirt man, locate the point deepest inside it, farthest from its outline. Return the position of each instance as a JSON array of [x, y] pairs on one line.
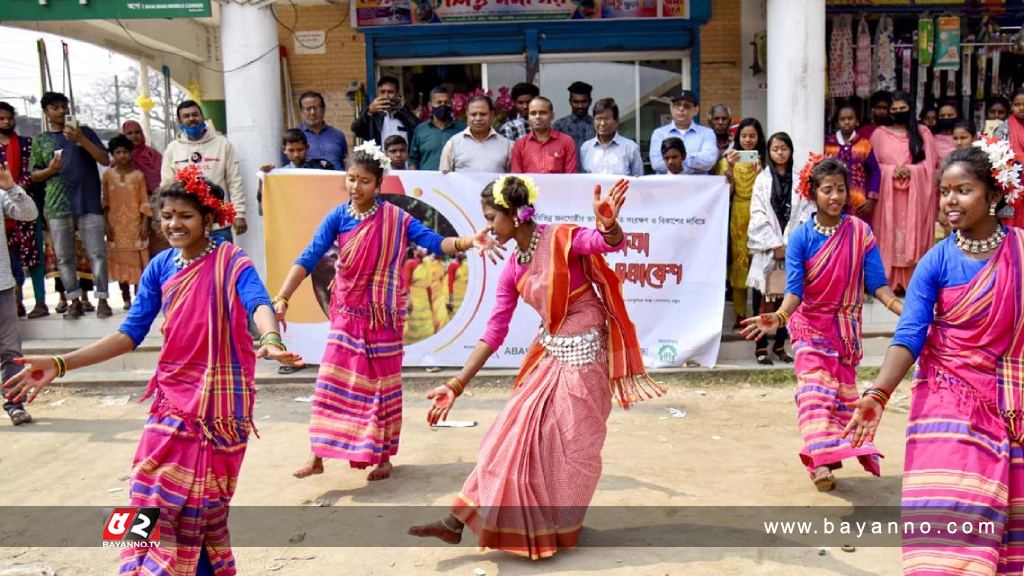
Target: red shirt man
[[544, 150]]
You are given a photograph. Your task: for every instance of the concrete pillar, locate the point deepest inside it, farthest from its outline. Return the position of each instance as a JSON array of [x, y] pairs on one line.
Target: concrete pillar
[[252, 95], [796, 74]]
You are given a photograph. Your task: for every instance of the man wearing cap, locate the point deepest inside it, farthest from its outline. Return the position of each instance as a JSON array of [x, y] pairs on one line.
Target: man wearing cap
[[700, 141], [580, 124]]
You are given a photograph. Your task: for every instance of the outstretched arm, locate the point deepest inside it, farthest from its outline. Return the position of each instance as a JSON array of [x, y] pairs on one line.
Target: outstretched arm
[[41, 370]]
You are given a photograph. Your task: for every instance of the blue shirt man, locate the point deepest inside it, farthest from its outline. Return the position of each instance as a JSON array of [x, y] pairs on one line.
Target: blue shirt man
[[324, 141], [701, 143]]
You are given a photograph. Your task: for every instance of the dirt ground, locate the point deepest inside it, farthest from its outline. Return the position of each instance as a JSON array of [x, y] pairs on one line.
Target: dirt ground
[[736, 446]]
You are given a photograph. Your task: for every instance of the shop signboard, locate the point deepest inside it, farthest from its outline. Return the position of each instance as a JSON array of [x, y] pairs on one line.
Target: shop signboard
[[371, 13], [15, 10]]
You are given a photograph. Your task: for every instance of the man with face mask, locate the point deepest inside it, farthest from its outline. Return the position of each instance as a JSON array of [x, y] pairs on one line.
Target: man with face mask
[[430, 137], [201, 144]]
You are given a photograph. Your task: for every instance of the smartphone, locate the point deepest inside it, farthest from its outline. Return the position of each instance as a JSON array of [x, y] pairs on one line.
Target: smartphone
[[748, 156], [70, 121], [395, 104], [58, 153]]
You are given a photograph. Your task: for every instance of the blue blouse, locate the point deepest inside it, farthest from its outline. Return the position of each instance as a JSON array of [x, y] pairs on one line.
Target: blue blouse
[[147, 302], [805, 242], [944, 266], [338, 221]]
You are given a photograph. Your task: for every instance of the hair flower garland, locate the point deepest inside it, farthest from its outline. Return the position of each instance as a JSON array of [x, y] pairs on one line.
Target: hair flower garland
[[804, 189], [532, 193], [195, 183], [1006, 170], [371, 149]]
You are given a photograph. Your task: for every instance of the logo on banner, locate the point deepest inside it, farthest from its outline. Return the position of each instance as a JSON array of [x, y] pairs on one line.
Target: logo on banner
[[667, 354], [131, 527]]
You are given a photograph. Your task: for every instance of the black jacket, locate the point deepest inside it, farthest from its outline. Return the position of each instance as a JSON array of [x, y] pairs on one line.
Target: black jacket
[[368, 126]]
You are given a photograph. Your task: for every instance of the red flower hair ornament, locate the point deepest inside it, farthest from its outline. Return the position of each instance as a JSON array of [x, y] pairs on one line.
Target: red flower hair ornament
[[195, 184], [804, 188]]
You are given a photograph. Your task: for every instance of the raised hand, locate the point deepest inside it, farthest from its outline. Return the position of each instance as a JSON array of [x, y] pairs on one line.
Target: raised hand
[[6, 180], [760, 325], [484, 242], [867, 415], [606, 208], [37, 373], [443, 398]]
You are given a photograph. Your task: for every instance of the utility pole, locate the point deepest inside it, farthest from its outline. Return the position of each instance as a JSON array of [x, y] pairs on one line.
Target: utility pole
[[117, 102]]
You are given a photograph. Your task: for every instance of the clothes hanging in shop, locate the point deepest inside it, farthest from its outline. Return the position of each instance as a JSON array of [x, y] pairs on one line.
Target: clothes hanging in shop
[[841, 58], [885, 57], [862, 65]]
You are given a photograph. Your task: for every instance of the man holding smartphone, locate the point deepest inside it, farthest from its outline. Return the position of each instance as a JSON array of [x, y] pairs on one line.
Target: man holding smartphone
[[386, 115], [65, 159]]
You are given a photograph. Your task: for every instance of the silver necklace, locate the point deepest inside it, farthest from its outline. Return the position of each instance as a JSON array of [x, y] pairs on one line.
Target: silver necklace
[[355, 213], [980, 246], [826, 230], [526, 256], [186, 262]]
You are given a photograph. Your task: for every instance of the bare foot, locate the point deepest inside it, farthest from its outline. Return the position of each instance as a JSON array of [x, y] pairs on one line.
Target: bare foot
[[823, 479], [314, 466], [437, 530], [381, 472]]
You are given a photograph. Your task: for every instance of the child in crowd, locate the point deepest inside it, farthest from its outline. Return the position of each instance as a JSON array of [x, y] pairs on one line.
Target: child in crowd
[[964, 134], [674, 153], [294, 148], [397, 150], [127, 210]]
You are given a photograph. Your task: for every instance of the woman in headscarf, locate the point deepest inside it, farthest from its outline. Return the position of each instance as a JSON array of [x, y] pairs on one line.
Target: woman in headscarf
[[147, 160]]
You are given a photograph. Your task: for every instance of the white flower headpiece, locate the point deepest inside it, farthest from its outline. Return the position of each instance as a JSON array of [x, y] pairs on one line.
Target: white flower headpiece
[[1005, 168], [370, 147]]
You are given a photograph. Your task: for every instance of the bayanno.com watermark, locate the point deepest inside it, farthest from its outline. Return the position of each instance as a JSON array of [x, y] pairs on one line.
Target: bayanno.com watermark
[[131, 527]]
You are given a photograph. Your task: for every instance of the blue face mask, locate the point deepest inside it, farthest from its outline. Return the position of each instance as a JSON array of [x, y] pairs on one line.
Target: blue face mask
[[194, 132]]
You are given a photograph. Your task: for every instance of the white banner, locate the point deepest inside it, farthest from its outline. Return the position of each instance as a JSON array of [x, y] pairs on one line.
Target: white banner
[[673, 265]]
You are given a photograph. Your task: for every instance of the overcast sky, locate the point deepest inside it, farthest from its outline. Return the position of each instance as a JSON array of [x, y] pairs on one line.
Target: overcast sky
[[19, 65]]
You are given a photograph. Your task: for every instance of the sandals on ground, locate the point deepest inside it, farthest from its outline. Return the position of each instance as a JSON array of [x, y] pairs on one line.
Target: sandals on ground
[[762, 357], [782, 355], [19, 416]]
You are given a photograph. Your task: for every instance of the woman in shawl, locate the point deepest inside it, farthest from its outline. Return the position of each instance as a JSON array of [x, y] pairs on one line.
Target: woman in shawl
[[776, 209], [195, 438], [904, 219], [357, 405], [539, 464], [830, 260], [147, 160], [741, 176], [963, 324]]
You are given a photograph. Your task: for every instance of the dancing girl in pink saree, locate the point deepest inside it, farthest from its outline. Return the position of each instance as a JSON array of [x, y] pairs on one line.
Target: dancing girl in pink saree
[[194, 440], [539, 463], [830, 260], [964, 324]]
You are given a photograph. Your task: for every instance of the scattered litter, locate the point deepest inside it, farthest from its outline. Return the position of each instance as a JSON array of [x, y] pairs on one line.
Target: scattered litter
[[848, 548], [691, 364], [822, 551], [433, 369], [33, 569], [297, 537], [265, 417], [60, 402], [701, 393], [457, 424], [112, 490], [115, 400], [392, 565], [286, 559], [274, 566], [676, 413], [321, 502], [901, 397], [304, 398], [480, 572], [123, 478], [418, 563], [716, 437], [467, 393]]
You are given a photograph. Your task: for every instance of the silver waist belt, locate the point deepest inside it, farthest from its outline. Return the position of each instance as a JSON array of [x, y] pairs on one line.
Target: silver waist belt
[[573, 350]]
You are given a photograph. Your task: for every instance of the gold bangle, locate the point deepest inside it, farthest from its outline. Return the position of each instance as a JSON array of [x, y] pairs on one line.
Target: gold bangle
[[456, 385], [279, 298]]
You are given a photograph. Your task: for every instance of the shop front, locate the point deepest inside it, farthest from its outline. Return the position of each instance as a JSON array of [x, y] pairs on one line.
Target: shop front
[[965, 52], [634, 54]]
